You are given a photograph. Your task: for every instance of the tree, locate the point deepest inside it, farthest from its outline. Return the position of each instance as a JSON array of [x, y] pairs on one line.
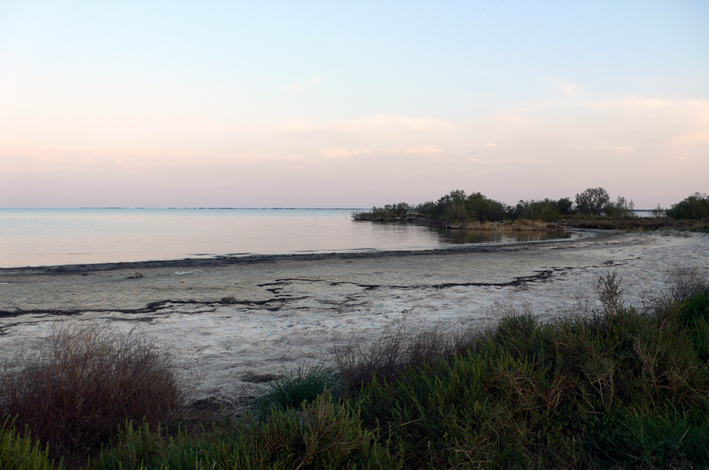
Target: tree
[[564, 205], [481, 208], [658, 211], [593, 201], [620, 208], [695, 206]]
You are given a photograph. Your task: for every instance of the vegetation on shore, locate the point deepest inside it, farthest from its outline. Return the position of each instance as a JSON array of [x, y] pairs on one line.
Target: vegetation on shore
[[592, 208], [613, 387]]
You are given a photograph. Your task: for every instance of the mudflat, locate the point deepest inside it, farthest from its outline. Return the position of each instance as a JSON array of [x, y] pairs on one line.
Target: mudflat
[[233, 323]]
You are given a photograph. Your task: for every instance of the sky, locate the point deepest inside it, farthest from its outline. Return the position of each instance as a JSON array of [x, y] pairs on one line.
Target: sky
[[350, 104]]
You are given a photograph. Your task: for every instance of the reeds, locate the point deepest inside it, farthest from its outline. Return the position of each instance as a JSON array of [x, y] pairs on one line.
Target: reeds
[[519, 225]]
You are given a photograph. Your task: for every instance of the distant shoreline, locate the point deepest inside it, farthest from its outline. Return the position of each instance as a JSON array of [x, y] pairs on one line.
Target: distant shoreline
[[200, 208]]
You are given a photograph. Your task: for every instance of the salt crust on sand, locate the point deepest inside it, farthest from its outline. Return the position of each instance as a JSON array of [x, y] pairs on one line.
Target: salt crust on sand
[[225, 325]]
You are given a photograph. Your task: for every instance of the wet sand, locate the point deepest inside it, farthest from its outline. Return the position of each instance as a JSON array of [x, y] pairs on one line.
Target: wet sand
[[230, 322]]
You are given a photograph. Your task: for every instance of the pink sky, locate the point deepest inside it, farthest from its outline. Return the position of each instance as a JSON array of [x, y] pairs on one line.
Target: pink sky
[[170, 105]]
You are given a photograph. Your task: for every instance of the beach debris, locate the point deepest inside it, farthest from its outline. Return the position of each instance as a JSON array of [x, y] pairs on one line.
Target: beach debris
[[137, 275]]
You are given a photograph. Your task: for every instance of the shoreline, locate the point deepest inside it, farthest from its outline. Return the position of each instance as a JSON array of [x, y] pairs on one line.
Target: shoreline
[[226, 260], [231, 323]]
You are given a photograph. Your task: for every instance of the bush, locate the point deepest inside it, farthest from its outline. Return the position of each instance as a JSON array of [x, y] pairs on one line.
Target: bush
[[695, 207], [83, 383], [620, 208], [593, 201], [323, 435], [614, 389], [546, 209], [459, 207], [21, 453]]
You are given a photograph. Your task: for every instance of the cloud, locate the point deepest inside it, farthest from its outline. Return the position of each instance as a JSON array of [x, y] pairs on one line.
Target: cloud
[[648, 149], [565, 87], [427, 149], [344, 153], [619, 149], [293, 88], [315, 80]]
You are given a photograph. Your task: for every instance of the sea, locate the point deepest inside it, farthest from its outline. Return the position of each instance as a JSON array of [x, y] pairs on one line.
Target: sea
[[51, 237]]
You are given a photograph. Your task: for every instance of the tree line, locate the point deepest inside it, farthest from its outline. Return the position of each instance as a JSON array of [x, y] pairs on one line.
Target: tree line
[[457, 206]]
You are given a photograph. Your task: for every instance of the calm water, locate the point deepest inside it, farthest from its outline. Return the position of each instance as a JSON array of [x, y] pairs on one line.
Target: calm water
[[37, 237]]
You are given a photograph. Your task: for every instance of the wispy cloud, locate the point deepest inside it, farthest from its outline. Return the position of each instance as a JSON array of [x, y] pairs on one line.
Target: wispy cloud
[[618, 149], [565, 87], [546, 149], [344, 153], [425, 150]]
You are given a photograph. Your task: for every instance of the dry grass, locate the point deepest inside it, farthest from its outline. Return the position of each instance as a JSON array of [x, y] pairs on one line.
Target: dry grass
[[83, 383], [685, 281], [519, 225], [391, 354]]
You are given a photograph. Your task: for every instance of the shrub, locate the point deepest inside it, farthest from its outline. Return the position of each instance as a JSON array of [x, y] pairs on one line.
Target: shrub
[[484, 209], [21, 453], [615, 389], [658, 211], [620, 208], [323, 435], [593, 201], [546, 209], [695, 206], [609, 292], [564, 206], [83, 383], [459, 207]]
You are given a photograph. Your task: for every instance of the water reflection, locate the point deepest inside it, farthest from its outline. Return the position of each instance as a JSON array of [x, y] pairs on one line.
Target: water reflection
[[409, 235], [32, 237], [449, 236]]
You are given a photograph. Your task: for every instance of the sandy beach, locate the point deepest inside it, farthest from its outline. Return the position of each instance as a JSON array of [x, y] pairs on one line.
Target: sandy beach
[[229, 323]]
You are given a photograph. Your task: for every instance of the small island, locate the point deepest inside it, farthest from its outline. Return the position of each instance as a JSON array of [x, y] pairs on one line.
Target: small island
[[593, 208]]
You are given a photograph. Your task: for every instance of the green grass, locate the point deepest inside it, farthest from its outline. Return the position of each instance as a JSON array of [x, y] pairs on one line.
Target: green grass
[[617, 388], [324, 434], [299, 388], [21, 452]]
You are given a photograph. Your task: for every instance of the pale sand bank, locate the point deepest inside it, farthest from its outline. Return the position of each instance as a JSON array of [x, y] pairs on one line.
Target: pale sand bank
[[227, 322]]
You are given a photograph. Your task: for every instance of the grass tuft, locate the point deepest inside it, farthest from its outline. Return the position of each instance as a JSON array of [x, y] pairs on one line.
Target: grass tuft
[[299, 388]]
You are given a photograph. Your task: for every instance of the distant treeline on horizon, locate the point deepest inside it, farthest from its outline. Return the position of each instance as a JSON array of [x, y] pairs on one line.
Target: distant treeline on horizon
[[457, 206]]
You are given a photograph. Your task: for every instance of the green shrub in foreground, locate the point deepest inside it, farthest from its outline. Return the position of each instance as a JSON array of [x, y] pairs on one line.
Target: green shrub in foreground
[[21, 453], [619, 389], [324, 435]]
